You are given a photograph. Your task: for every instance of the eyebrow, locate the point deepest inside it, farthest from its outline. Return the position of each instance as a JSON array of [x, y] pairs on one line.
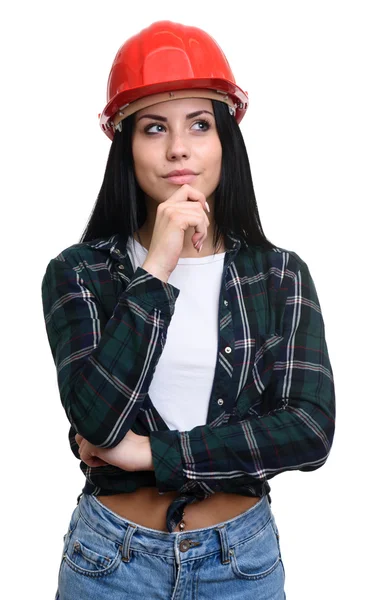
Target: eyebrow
[[164, 119]]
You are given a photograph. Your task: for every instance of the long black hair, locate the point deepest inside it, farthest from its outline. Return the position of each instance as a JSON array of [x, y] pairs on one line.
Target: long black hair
[[120, 206]]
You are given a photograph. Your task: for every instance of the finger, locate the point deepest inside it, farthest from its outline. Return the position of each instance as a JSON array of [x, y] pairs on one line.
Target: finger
[[201, 229], [78, 438], [85, 450], [196, 239], [93, 461], [187, 192], [194, 195], [193, 215], [87, 453]]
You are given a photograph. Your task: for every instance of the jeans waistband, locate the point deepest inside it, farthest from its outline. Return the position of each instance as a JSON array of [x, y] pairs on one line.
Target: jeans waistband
[[187, 544]]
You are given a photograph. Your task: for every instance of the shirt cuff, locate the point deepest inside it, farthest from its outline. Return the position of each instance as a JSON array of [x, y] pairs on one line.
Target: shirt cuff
[[148, 290], [167, 460]]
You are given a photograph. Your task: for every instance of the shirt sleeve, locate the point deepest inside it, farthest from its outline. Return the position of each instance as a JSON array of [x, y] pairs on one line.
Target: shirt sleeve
[[104, 367], [290, 426]]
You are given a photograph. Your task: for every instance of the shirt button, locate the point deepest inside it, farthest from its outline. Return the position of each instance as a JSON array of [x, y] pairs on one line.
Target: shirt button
[[227, 349], [225, 303], [220, 401], [117, 251], [121, 267]]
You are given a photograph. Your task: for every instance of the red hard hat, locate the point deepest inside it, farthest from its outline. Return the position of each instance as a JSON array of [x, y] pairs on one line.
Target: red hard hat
[[164, 58]]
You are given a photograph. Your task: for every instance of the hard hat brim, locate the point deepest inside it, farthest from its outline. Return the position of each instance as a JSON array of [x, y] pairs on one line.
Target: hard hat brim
[[234, 96]]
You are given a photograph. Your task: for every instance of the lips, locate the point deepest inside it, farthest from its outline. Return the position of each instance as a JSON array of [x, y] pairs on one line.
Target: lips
[[181, 177], [180, 173]]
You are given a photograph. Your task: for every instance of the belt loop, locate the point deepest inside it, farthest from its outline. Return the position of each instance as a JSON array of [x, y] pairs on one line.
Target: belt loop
[[130, 530], [225, 546]]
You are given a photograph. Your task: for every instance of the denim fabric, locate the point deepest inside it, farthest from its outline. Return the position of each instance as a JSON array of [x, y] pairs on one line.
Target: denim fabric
[[108, 557]]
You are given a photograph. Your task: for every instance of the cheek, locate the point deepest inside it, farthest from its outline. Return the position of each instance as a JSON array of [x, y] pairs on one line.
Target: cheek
[[215, 153], [216, 162], [137, 152], [142, 163]]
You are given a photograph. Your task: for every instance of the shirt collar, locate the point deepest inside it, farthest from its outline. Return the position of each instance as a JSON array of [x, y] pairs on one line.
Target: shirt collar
[[237, 241], [116, 244]]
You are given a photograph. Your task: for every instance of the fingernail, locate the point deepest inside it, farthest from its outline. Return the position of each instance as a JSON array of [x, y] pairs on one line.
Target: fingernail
[[199, 250], [196, 244], [207, 206]]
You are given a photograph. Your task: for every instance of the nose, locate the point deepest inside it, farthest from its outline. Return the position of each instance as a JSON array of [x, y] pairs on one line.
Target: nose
[[177, 148]]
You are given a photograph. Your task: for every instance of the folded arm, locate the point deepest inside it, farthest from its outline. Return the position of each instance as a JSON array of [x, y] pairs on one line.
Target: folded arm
[[289, 426]]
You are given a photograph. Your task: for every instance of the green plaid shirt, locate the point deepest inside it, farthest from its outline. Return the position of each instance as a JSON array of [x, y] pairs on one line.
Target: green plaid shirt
[[272, 404]]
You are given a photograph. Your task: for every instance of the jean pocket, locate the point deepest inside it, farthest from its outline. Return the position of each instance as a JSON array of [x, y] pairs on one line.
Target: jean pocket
[[258, 556], [90, 553]]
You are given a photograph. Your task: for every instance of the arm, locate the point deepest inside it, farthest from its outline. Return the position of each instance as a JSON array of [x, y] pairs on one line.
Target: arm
[[133, 453], [296, 429], [104, 369]]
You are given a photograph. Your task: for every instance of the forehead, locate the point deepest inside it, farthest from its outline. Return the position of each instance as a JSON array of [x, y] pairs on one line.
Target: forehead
[[182, 106]]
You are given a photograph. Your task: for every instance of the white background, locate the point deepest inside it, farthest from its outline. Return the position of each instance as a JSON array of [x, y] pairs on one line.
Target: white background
[[308, 69]]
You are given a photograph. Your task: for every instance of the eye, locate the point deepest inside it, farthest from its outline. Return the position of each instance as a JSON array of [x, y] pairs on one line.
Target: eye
[[202, 125], [156, 127]]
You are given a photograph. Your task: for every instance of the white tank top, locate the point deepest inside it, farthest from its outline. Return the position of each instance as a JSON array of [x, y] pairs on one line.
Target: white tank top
[[182, 383]]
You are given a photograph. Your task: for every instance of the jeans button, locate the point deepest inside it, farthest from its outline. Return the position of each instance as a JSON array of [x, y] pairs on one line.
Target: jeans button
[[184, 545]]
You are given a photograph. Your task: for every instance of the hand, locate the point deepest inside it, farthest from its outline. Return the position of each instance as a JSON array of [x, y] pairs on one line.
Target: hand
[[133, 453], [185, 208]]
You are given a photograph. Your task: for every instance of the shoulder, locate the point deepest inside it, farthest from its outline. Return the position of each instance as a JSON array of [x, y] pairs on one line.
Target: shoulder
[[274, 270], [90, 252], [277, 258], [87, 263]]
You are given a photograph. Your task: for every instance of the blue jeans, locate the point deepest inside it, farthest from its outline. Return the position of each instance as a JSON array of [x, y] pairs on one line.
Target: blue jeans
[[108, 557]]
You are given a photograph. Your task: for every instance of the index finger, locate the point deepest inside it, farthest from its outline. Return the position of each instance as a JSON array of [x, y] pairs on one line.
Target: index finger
[[194, 195]]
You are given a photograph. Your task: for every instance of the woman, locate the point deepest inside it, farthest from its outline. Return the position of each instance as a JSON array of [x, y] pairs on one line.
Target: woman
[[180, 424]]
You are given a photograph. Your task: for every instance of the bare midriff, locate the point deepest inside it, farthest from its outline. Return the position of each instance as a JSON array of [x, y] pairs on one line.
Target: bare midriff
[[147, 508]]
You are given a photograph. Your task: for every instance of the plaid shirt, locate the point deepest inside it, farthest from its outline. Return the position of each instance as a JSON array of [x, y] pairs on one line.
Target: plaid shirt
[[272, 404]]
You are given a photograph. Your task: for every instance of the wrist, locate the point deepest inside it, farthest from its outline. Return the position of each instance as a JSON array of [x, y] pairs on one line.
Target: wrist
[[156, 271]]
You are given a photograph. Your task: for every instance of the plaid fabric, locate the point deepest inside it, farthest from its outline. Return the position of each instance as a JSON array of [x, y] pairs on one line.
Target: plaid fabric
[[272, 405]]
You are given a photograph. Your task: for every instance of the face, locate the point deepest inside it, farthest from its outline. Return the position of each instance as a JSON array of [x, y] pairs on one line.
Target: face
[[177, 135]]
